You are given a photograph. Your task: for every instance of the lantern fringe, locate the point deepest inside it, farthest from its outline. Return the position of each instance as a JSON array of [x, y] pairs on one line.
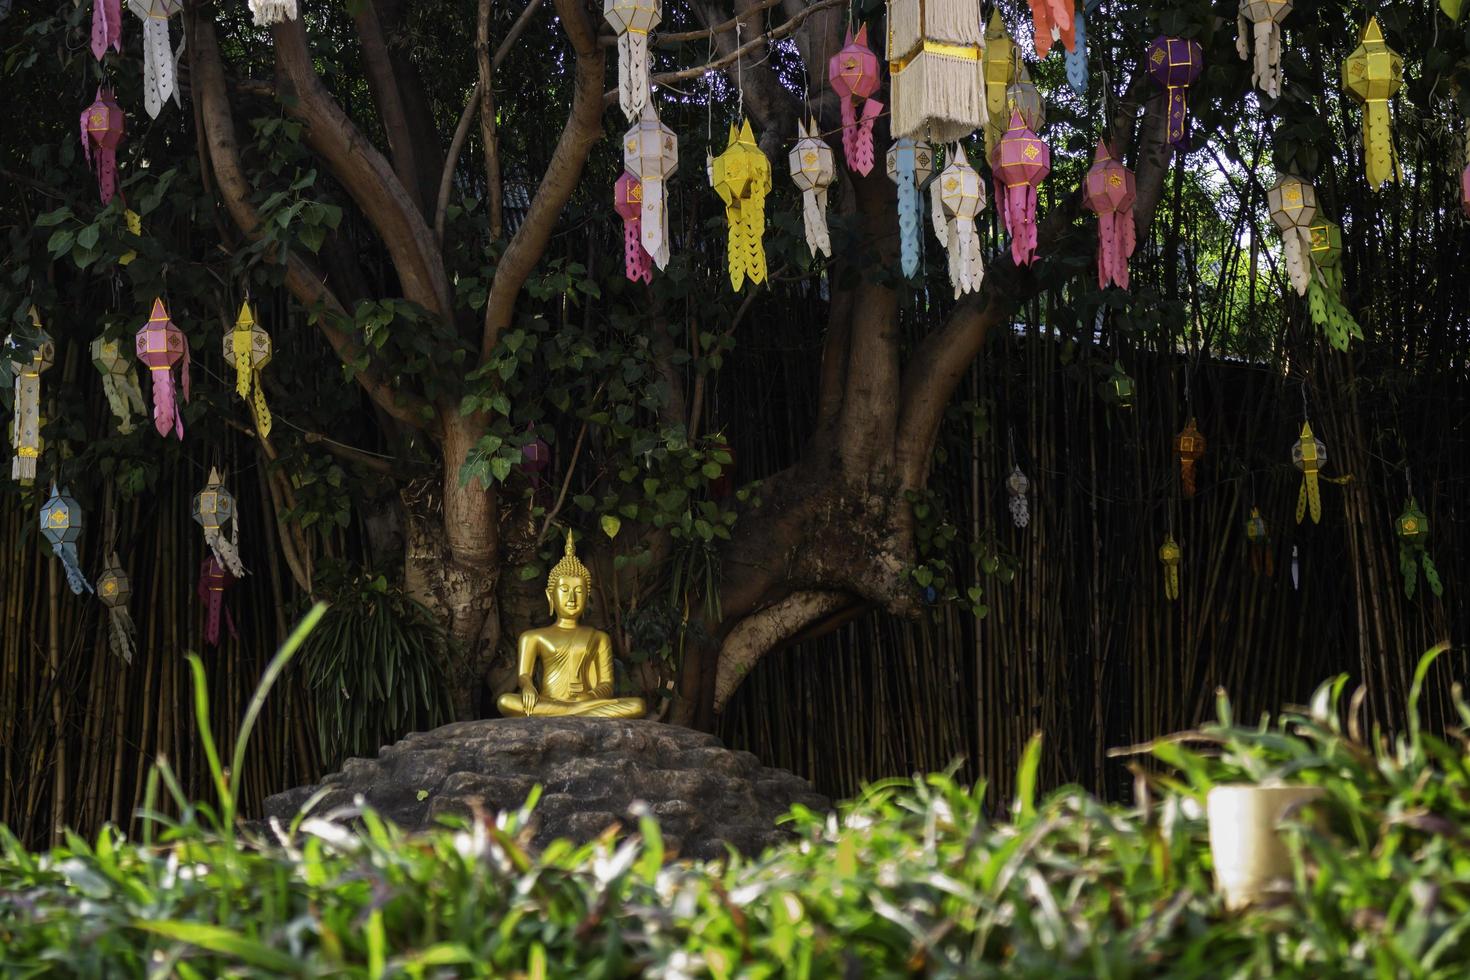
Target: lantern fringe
[[67, 552], [268, 12], [814, 219], [122, 634], [938, 98], [106, 27], [632, 72]]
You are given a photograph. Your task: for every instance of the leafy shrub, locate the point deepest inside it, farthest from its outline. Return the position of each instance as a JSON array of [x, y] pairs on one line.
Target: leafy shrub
[[912, 879]]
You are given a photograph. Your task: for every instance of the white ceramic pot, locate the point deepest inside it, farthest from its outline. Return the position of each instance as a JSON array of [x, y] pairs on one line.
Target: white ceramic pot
[[1251, 862]]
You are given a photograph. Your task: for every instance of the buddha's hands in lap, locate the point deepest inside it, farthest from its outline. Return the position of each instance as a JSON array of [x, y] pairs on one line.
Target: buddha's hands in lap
[[528, 699]]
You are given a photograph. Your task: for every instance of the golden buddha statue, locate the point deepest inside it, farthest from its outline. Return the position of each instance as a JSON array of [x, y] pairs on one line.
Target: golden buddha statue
[[576, 661]]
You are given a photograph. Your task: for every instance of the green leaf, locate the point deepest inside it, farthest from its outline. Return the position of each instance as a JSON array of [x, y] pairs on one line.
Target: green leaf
[[611, 524], [219, 939]]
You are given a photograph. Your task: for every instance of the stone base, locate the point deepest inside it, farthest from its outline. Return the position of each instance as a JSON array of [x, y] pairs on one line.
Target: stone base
[[590, 770]]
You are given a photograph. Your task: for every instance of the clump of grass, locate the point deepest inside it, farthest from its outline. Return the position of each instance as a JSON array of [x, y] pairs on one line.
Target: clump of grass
[[913, 878]]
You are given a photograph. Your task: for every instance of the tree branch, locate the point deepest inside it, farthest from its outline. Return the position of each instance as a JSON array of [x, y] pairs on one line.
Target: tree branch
[[765, 630], [384, 88], [494, 188]]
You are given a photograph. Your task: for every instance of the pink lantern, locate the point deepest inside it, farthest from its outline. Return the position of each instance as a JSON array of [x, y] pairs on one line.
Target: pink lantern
[[214, 579], [628, 200], [102, 131], [1109, 190], [1021, 162], [1465, 190], [106, 27], [161, 345], [535, 455], [1175, 63], [854, 75]]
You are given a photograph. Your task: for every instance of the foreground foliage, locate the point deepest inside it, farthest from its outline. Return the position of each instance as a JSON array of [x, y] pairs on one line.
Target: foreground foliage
[[915, 877]]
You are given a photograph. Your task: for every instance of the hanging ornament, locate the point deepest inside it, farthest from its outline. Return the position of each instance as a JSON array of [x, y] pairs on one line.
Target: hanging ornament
[[1109, 190], [1308, 454], [1117, 389], [935, 77], [812, 170], [1054, 20], [158, 53], [106, 27], [1190, 445], [1020, 163], [632, 20], [999, 61], [102, 131], [628, 202], [1465, 190], [1076, 57], [1175, 63], [854, 75], [61, 524], [1024, 97], [29, 353], [1372, 75], [1296, 569], [742, 177], [651, 154], [114, 588], [1258, 540], [268, 12], [214, 579], [1413, 531], [535, 456], [1265, 16], [248, 351], [119, 381], [962, 196], [910, 164], [1016, 486], [1324, 293], [214, 507], [1169, 555], [1293, 204], [161, 345]]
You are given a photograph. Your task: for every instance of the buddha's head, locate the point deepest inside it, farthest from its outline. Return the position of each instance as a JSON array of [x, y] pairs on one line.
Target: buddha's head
[[569, 585]]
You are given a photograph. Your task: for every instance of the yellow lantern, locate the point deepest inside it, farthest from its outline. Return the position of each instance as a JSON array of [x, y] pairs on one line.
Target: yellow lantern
[[742, 177], [1372, 75]]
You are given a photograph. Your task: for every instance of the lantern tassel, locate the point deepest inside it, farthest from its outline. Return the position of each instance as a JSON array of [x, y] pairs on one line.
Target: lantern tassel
[[654, 222], [1020, 214], [814, 218], [1171, 582], [1076, 57], [259, 408], [1020, 511], [122, 634], [632, 72], [857, 134], [166, 417], [1178, 117], [158, 59], [268, 12], [225, 551], [1378, 143], [1297, 247], [908, 215], [1186, 476], [67, 552], [637, 263], [106, 27]]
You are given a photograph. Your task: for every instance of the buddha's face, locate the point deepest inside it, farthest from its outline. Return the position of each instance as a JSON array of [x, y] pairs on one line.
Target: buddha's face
[[568, 597]]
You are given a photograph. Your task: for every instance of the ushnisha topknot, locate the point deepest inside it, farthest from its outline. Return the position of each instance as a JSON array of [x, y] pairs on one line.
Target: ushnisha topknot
[[569, 566]]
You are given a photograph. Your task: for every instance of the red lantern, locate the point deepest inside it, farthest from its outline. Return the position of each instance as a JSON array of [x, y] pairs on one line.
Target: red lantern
[[1053, 20], [214, 579], [1175, 63], [628, 200], [102, 131], [1109, 190], [160, 346], [1021, 163], [854, 75]]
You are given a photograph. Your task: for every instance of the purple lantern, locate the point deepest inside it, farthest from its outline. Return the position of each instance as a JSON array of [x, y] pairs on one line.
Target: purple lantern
[[854, 75], [1109, 190], [102, 131], [1175, 63], [214, 579], [160, 346], [1021, 162], [1465, 190], [628, 202]]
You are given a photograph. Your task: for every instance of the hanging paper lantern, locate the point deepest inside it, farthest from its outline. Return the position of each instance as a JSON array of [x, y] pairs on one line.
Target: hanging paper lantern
[[910, 164], [742, 177], [1326, 250], [1109, 190], [1021, 162], [1024, 97], [1308, 454], [1175, 63], [119, 381], [158, 53], [1296, 569], [29, 354], [1265, 16], [1293, 204], [1053, 20], [632, 20], [214, 579], [102, 131], [1076, 58], [651, 154], [61, 524], [248, 351], [114, 588], [999, 61], [535, 456], [1170, 555], [1465, 190], [854, 75], [214, 507], [1190, 445], [1016, 486], [1117, 389], [935, 77], [962, 195], [106, 27], [1412, 528], [160, 345], [1324, 293], [1372, 75], [628, 202], [268, 12], [812, 170], [1258, 540]]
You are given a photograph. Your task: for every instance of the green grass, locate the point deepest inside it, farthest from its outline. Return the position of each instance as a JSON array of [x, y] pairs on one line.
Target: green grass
[[911, 879]]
